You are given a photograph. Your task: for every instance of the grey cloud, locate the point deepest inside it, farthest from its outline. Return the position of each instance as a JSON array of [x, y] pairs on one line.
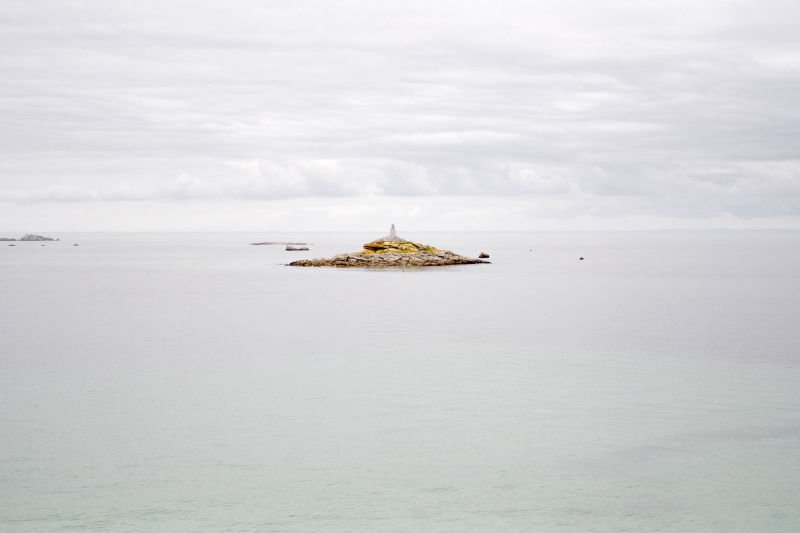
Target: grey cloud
[[686, 106]]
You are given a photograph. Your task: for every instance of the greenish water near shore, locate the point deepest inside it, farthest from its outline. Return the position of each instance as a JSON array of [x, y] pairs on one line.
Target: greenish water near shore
[[170, 382]]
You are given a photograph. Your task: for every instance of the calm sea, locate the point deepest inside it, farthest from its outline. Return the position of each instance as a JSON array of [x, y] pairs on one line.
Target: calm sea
[[191, 382]]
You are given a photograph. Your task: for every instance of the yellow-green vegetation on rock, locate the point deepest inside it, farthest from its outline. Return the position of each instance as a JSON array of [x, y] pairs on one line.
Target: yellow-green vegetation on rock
[[397, 247], [392, 251]]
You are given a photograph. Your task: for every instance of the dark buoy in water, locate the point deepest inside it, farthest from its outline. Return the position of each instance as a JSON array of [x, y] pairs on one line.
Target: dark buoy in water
[[581, 259], [75, 245]]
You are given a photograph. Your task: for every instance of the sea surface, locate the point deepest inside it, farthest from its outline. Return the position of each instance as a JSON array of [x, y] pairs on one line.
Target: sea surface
[[192, 382]]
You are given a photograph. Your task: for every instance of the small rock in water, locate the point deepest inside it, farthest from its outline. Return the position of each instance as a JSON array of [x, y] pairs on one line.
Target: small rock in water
[[76, 245], [294, 249], [483, 255], [581, 259]]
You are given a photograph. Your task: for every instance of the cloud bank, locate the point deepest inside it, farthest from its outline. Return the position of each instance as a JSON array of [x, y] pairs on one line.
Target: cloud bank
[[681, 111]]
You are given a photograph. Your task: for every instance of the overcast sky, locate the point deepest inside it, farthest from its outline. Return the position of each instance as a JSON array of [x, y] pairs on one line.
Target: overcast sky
[[265, 115]]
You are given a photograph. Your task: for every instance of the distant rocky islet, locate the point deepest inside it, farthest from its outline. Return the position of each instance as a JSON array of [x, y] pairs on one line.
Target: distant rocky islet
[[28, 237], [391, 251], [272, 243]]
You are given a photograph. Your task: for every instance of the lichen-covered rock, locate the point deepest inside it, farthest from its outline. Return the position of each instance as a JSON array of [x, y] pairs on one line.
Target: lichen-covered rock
[[392, 253], [401, 247]]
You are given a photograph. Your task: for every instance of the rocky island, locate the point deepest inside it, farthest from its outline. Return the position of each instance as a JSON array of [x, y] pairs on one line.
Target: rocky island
[[29, 237], [268, 243], [392, 251], [32, 237]]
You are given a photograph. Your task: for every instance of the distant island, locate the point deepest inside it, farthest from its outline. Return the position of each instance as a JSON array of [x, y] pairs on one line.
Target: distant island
[[392, 251], [287, 243], [28, 237]]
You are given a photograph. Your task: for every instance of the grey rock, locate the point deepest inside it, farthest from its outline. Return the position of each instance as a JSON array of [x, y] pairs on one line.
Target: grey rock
[[281, 243], [32, 237], [388, 260], [392, 251]]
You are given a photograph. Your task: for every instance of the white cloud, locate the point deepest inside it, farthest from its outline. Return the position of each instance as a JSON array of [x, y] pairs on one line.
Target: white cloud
[[677, 110]]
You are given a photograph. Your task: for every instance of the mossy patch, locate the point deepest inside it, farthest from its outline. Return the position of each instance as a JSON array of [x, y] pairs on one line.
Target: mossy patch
[[396, 247]]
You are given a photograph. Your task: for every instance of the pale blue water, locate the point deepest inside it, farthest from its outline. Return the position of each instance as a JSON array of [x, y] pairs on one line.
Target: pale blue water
[[192, 383]]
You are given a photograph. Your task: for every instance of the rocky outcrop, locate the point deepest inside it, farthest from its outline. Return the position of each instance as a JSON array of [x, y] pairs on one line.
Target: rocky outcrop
[[32, 237], [483, 255], [28, 237], [270, 243], [392, 253]]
